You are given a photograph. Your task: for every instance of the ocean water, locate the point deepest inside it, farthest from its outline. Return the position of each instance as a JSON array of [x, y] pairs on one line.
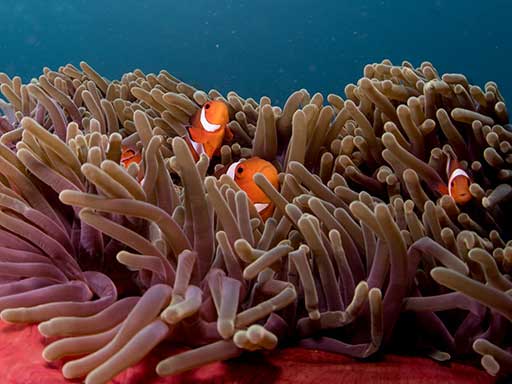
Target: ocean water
[[258, 47]]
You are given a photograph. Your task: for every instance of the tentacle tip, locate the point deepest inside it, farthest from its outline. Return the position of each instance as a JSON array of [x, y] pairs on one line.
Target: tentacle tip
[[24, 121], [375, 293], [314, 315], [491, 366], [163, 370], [477, 344], [226, 328], [44, 329], [437, 273], [4, 315], [247, 275], [48, 356], [67, 371], [15, 315], [170, 316], [93, 379]]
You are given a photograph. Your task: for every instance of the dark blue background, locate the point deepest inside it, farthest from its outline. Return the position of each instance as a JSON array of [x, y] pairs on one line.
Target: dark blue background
[[258, 47]]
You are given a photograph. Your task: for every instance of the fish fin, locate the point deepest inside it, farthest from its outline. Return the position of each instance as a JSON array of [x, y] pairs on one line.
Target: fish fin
[[127, 154], [211, 150], [442, 189], [267, 212], [195, 119], [197, 135], [192, 150], [228, 135]]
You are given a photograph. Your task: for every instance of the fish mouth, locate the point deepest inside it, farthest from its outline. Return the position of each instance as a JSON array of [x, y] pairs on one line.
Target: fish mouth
[[463, 198], [260, 207]]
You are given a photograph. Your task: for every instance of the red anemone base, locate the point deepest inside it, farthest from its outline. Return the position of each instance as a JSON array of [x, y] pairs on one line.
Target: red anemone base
[[21, 363]]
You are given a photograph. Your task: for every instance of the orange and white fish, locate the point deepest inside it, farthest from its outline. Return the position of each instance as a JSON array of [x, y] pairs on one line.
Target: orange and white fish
[[129, 156], [458, 182], [208, 129], [243, 172]]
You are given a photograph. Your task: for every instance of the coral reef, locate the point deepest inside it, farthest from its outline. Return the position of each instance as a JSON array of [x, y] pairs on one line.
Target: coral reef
[[363, 253]]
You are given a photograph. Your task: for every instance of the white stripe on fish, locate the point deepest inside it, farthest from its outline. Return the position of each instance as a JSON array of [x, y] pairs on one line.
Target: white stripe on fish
[[208, 127]]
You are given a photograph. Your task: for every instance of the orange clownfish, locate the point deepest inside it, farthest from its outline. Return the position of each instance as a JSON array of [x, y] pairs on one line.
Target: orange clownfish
[[208, 129], [243, 172], [129, 156], [458, 182]]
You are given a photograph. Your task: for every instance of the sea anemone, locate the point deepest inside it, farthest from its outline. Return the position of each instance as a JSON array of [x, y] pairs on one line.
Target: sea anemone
[[362, 254]]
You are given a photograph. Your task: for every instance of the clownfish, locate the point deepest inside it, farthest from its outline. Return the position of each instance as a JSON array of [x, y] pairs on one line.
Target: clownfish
[[129, 156], [458, 182], [243, 172], [208, 129]]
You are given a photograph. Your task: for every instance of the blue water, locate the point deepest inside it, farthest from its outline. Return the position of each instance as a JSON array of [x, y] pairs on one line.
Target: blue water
[[261, 47]]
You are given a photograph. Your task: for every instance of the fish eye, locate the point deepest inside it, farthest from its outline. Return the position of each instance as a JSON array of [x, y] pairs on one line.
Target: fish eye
[[207, 105], [239, 170]]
